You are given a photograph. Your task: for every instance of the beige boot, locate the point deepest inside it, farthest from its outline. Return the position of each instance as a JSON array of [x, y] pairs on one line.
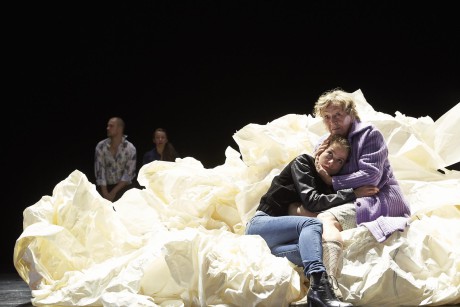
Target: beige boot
[[332, 259]]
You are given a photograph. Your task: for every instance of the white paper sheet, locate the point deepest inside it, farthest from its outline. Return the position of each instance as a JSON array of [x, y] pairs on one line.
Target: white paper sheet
[[180, 241]]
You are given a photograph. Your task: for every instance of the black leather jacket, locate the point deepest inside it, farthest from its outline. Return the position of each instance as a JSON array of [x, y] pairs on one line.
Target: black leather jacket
[[300, 182]]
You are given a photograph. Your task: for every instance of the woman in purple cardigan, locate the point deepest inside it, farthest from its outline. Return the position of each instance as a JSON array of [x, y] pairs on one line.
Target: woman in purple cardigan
[[368, 164]]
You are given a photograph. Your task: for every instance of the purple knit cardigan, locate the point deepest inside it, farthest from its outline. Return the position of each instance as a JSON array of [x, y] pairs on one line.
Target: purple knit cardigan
[[368, 164]]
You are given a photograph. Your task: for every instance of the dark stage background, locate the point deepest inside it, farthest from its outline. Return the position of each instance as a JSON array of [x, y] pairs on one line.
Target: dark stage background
[[203, 70]]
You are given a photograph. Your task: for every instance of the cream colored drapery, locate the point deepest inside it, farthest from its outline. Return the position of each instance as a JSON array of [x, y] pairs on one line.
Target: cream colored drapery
[[180, 241]]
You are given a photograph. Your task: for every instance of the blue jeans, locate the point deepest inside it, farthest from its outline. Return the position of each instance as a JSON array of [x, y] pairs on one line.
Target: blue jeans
[[298, 238]]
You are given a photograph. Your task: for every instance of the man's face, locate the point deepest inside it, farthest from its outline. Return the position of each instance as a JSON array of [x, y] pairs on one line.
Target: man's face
[[112, 127], [337, 121]]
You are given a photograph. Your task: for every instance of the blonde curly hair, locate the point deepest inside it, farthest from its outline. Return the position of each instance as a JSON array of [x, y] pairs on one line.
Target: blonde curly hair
[[336, 97]]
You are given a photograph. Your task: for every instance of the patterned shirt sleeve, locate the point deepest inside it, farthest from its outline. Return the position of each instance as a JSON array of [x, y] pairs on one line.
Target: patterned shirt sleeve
[[131, 159], [99, 164]]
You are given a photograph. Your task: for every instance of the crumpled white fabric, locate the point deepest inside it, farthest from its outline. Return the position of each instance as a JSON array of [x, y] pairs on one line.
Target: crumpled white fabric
[[180, 241]]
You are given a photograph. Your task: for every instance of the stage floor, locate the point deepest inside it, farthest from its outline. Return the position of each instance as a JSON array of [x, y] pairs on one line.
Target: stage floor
[[14, 291]]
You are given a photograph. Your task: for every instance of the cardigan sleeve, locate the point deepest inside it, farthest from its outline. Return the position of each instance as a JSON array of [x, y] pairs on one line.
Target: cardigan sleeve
[[369, 159]]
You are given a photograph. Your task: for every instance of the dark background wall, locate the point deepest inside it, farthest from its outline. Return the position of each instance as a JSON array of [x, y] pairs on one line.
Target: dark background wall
[[203, 70]]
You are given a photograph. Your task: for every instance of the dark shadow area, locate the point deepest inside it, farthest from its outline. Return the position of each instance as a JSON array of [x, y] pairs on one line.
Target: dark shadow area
[[203, 70]]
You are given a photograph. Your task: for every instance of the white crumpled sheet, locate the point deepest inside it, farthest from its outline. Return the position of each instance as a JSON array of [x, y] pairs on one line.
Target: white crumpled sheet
[[180, 241]]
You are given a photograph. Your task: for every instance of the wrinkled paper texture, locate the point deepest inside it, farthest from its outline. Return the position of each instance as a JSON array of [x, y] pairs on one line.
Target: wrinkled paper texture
[[180, 242]]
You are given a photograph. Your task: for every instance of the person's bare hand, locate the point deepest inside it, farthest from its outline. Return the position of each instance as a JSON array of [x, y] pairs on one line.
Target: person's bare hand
[[105, 194], [366, 190], [321, 148], [111, 195], [322, 172]]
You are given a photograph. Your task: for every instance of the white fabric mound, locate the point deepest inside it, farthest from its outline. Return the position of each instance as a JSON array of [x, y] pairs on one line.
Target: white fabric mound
[[181, 242]]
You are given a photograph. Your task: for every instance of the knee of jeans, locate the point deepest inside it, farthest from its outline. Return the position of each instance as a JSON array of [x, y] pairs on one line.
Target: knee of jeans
[[313, 222]]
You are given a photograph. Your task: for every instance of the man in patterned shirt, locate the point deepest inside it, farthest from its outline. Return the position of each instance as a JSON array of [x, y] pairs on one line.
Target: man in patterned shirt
[[115, 162]]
